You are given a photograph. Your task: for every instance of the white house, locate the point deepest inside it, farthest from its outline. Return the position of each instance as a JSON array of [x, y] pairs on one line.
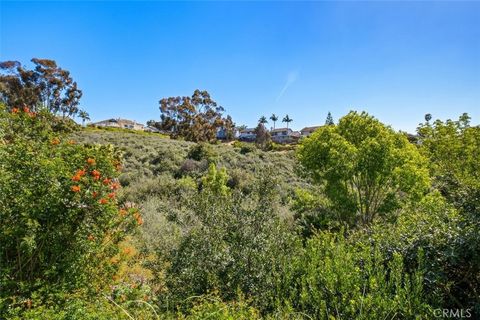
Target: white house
[[119, 123], [247, 135], [284, 135], [308, 130]]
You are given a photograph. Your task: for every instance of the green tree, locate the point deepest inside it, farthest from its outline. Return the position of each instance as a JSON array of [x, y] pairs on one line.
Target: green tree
[[262, 138], [274, 119], [47, 85], [263, 120], [229, 127], [287, 120], [196, 118], [329, 120], [366, 168], [84, 116]]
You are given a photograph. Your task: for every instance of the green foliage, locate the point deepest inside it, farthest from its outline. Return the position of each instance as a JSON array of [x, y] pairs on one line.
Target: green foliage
[[262, 138], [202, 151], [336, 279], [58, 207], [215, 181], [196, 118], [453, 150], [218, 238], [366, 168], [231, 243], [211, 307], [244, 147], [329, 120]]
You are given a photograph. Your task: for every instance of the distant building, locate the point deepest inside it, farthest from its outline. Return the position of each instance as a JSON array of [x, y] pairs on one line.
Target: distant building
[[284, 135], [119, 123], [308, 130], [247, 135], [151, 129]]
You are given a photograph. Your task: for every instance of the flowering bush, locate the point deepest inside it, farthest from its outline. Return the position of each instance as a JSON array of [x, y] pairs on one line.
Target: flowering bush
[[60, 219]]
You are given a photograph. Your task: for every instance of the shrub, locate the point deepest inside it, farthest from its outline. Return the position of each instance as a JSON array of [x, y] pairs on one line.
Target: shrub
[[335, 279], [60, 218], [244, 147], [202, 151]]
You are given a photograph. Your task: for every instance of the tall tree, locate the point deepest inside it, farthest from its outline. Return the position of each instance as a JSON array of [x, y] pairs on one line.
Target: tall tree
[[262, 137], [274, 119], [196, 118], [329, 120], [287, 120], [45, 86], [367, 169], [263, 120], [84, 116], [229, 127]]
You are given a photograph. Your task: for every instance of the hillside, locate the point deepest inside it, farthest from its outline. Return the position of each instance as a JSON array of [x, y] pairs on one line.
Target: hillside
[[149, 156]]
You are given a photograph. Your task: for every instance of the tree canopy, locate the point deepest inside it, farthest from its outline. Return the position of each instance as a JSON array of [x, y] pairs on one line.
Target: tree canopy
[[196, 118], [45, 86], [365, 167]]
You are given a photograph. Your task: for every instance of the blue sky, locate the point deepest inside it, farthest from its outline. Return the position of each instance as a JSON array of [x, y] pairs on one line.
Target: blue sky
[[395, 60]]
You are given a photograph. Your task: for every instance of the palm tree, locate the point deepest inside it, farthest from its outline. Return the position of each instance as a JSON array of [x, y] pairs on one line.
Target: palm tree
[[84, 116], [262, 120], [274, 118], [287, 119]]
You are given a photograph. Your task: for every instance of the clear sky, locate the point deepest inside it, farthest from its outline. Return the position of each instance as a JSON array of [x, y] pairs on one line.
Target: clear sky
[[396, 60]]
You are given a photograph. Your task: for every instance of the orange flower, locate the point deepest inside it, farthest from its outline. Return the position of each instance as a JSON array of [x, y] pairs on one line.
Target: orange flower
[[15, 110], [127, 250], [94, 194], [55, 141], [138, 217], [71, 142], [106, 181], [75, 188], [76, 177], [91, 161], [80, 173], [122, 212], [26, 109], [90, 237], [103, 201], [32, 114], [111, 195], [96, 174], [115, 186]]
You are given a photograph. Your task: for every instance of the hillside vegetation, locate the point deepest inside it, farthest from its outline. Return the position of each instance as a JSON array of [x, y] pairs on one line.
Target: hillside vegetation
[[356, 223]]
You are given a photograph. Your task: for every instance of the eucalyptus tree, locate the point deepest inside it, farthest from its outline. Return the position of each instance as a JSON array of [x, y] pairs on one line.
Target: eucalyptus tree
[[45, 86]]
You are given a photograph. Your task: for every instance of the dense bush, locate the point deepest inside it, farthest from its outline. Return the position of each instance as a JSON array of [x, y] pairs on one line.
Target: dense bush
[[60, 219], [338, 279]]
